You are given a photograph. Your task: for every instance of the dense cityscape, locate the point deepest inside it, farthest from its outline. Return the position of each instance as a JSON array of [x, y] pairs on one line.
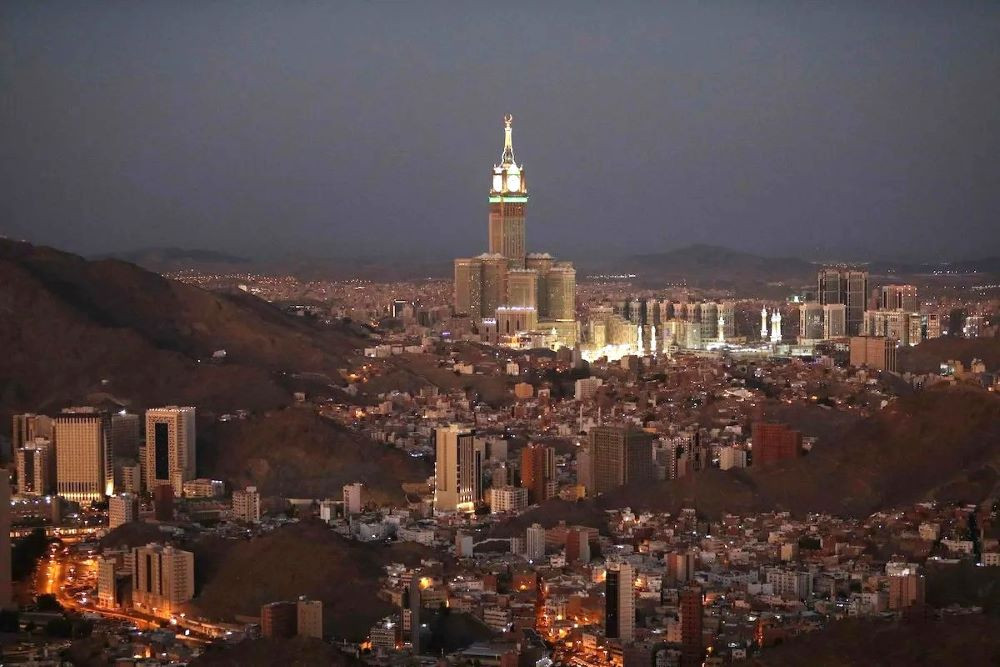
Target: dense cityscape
[[560, 521], [776, 445]]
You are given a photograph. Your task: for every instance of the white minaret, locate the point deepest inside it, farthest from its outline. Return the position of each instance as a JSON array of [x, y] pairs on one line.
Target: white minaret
[[638, 345], [652, 340], [722, 329], [763, 323], [776, 326]]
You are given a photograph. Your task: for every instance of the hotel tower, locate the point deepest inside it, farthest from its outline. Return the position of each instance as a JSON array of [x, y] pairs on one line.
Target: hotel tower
[[511, 294]]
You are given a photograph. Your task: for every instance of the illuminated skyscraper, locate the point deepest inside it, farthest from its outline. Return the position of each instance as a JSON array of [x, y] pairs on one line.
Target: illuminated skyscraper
[[508, 196], [83, 458], [536, 292], [170, 447], [457, 470]]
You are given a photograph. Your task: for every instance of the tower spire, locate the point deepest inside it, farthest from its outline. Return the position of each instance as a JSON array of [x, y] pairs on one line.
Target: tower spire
[[508, 145]]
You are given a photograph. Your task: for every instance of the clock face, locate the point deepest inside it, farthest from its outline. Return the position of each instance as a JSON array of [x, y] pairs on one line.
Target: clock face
[[513, 182], [497, 182]]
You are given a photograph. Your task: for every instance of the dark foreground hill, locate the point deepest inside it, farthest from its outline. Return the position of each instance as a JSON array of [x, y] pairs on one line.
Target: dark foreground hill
[[297, 652], [295, 453], [302, 559], [941, 443], [961, 640], [77, 331]]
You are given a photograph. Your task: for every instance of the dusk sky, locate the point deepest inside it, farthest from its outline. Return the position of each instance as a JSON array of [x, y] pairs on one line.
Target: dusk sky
[[838, 129]]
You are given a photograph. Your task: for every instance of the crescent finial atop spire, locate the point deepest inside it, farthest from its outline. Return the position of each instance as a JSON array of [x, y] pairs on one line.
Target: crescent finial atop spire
[[508, 146]]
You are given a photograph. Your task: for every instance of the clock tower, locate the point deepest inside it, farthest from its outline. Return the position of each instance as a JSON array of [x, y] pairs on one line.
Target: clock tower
[[508, 196]]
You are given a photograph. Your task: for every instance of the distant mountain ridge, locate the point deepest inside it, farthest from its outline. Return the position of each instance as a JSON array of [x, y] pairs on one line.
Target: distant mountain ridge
[[709, 263]]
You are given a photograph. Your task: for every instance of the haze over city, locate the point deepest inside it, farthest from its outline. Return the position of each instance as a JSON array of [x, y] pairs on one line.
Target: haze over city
[[499, 335], [850, 130]]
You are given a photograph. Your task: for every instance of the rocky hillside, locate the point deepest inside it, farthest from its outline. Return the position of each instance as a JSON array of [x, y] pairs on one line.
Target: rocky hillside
[[78, 331], [294, 453], [303, 559], [941, 443]]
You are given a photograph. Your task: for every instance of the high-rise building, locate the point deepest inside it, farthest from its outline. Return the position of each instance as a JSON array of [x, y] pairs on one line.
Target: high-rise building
[[875, 352], [128, 476], [246, 505], [534, 542], [6, 593], [29, 426], [469, 287], [899, 297], [413, 605], [577, 546], [534, 292], [538, 472], [114, 579], [902, 326], [352, 498], [846, 286], [618, 456], [124, 435], [774, 442], [122, 508], [163, 577], [457, 470], [560, 292], [508, 196], [36, 467], [810, 321], [834, 321], [619, 602], [691, 613], [83, 459], [170, 447]]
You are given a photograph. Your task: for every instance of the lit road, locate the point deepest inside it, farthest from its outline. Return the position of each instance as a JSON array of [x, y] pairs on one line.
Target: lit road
[[57, 574]]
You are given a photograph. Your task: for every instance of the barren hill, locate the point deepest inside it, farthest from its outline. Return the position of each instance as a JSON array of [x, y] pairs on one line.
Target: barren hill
[[959, 640], [302, 559], [71, 328], [297, 652], [943, 442], [293, 452], [928, 356]]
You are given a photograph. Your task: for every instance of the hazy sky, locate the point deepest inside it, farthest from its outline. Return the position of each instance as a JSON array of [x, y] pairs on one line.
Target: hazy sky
[[333, 128]]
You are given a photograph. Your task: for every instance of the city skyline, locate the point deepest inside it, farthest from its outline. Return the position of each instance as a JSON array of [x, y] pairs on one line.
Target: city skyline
[[308, 359], [823, 133]]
